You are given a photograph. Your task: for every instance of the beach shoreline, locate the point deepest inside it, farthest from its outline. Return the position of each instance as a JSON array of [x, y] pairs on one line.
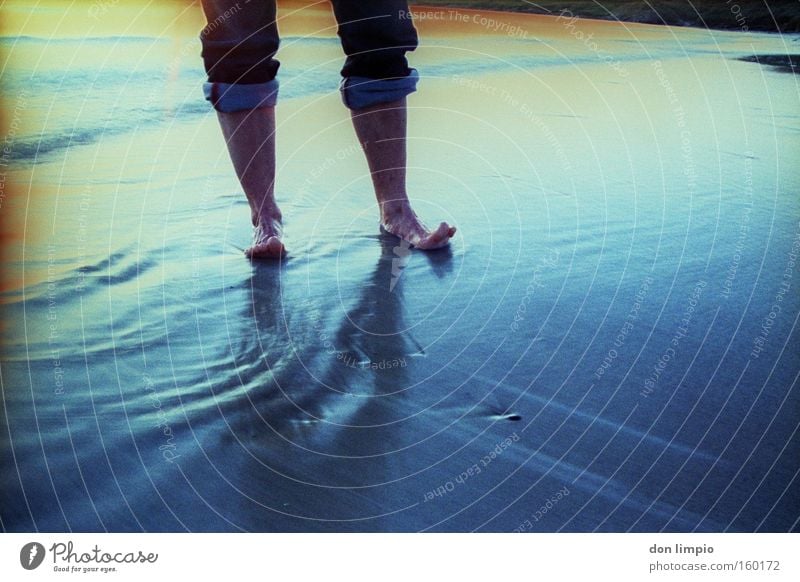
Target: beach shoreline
[[744, 15]]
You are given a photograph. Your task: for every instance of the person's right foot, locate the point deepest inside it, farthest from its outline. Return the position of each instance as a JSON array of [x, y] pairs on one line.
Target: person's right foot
[[267, 240]]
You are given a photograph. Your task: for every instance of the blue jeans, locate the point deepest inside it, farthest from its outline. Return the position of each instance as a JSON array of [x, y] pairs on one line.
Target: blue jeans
[[241, 39]]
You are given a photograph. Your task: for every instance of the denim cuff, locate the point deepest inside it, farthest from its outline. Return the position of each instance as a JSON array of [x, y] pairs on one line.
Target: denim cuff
[[361, 92], [230, 97]]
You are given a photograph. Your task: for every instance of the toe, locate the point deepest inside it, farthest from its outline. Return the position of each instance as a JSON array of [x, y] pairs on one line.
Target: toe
[[438, 238], [275, 247], [271, 249]]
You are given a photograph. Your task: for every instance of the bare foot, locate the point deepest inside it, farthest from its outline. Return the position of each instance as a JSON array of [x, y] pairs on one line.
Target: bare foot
[[267, 240], [404, 223]]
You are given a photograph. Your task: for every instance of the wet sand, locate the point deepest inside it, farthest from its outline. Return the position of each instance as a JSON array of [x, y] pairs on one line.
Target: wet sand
[[609, 344]]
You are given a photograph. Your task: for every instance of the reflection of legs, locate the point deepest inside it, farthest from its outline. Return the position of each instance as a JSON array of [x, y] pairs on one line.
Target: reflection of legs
[[381, 129], [239, 44], [375, 36]]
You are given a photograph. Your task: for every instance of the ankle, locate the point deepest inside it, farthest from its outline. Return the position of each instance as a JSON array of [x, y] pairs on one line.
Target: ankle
[[265, 215], [396, 207]]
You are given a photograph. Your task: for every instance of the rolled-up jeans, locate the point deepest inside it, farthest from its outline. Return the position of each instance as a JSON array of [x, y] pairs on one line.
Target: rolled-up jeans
[[241, 39]]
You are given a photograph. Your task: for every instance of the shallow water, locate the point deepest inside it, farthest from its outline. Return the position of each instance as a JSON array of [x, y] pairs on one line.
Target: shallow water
[[609, 344]]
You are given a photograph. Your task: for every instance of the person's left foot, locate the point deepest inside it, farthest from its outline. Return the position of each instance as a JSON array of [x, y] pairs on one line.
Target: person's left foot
[[267, 241], [405, 224]]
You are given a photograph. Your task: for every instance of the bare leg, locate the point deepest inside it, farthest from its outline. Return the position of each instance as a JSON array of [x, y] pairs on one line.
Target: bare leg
[[381, 129], [250, 136]]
